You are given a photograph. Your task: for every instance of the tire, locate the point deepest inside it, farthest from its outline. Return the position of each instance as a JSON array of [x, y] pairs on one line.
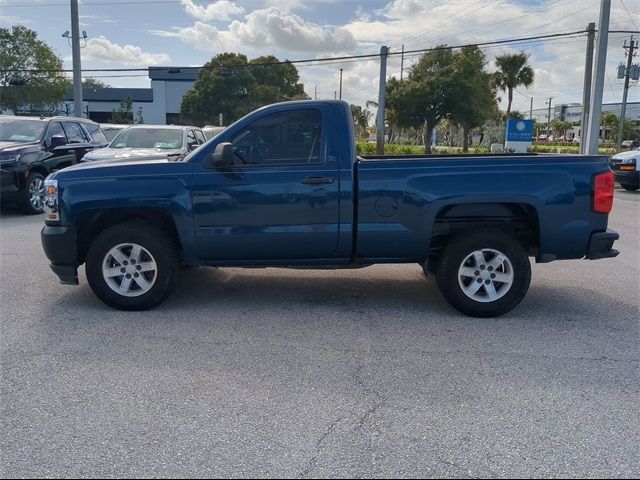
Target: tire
[[458, 271], [132, 266], [631, 188], [32, 195]]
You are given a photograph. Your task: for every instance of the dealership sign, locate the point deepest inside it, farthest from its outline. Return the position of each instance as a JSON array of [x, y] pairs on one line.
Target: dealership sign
[[519, 135]]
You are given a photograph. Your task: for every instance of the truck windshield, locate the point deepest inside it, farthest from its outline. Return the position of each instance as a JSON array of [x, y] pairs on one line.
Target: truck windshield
[[162, 138], [23, 131]]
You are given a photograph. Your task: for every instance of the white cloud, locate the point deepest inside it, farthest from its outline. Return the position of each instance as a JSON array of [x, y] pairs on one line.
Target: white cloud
[[271, 27], [267, 28], [101, 48], [219, 11], [201, 35]]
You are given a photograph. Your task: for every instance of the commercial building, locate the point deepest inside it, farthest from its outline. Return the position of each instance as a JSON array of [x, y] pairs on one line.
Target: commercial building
[[572, 112], [159, 104]]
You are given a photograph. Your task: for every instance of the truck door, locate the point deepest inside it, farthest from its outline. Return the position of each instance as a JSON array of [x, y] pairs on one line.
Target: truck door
[[280, 200]]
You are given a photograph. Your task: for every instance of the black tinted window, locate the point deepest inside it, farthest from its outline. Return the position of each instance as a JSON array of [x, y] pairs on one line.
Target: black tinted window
[[74, 133], [96, 132], [54, 129], [281, 138]]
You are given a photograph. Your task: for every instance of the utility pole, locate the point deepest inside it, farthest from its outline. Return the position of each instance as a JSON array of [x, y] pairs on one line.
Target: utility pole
[[75, 50], [382, 91], [598, 82], [531, 109], [402, 63], [315, 92], [549, 118], [630, 53], [586, 89], [335, 95], [340, 97]]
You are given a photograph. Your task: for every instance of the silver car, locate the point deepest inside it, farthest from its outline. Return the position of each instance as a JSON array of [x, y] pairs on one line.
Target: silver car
[[150, 142]]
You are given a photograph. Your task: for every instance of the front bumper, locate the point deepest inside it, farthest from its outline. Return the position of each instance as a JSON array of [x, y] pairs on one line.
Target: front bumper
[[627, 177], [61, 247], [601, 245]]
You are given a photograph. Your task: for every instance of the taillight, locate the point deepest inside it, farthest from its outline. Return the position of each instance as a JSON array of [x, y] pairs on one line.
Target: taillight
[[603, 192]]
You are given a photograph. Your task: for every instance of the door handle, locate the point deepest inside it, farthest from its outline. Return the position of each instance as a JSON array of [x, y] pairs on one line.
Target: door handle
[[317, 180]]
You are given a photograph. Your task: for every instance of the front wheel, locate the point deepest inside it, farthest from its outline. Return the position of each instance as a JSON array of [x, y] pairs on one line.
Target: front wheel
[[483, 274], [131, 266], [32, 197]]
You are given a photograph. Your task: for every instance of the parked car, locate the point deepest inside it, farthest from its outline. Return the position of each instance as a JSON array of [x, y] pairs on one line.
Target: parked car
[[112, 129], [229, 203], [149, 142], [625, 167], [211, 131], [629, 144], [33, 147]]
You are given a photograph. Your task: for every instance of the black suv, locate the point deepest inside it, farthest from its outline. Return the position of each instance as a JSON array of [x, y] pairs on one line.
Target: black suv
[[31, 148]]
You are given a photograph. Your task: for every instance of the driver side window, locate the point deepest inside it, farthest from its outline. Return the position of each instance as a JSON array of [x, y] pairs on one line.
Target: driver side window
[[284, 138], [55, 128]]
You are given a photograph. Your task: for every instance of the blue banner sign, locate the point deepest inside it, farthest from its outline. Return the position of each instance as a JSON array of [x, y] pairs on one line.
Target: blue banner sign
[[519, 130]]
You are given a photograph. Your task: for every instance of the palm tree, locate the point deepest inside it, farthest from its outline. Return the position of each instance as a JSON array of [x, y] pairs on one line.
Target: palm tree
[[513, 71]]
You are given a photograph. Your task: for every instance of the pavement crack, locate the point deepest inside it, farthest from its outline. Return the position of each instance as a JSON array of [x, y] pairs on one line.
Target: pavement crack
[[318, 446]]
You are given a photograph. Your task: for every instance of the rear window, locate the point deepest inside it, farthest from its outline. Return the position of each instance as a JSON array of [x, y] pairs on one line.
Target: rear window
[[96, 133]]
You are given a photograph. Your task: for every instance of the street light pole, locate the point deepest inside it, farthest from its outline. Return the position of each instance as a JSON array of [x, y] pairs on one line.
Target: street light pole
[[549, 118], [340, 97], [75, 49]]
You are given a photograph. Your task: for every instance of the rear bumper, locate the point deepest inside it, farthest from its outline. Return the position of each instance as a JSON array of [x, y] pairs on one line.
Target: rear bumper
[[60, 246], [601, 245]]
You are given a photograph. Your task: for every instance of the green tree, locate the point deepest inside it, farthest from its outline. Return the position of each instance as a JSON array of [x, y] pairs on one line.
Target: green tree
[[91, 82], [425, 97], [227, 85], [124, 114], [21, 50], [275, 83], [560, 127], [473, 94], [513, 71], [361, 118]]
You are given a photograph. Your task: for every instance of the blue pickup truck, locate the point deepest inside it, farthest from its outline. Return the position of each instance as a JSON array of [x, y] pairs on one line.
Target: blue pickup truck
[[283, 187]]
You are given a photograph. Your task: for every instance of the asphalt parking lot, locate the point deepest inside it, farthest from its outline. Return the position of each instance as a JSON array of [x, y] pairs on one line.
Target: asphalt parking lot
[[354, 373]]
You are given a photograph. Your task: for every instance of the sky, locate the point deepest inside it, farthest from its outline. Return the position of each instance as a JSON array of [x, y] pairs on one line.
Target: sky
[[140, 33]]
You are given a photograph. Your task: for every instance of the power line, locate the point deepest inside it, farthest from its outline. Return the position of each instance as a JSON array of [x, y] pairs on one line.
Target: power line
[[630, 17], [322, 60]]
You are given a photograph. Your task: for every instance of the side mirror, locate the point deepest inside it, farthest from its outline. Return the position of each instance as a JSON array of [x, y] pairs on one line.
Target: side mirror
[[221, 157], [57, 141]]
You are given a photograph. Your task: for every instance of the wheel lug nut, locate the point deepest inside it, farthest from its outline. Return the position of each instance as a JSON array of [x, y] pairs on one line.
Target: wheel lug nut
[[493, 275], [476, 273], [479, 280], [138, 267], [125, 263], [133, 262], [487, 282], [136, 274], [491, 269], [123, 269], [482, 267], [128, 275]]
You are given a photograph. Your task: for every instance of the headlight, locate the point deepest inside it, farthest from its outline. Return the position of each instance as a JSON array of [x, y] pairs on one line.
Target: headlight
[[9, 157], [51, 212], [629, 160]]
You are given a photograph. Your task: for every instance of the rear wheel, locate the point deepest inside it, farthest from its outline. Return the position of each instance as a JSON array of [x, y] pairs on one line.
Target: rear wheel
[[483, 274], [631, 188], [131, 266]]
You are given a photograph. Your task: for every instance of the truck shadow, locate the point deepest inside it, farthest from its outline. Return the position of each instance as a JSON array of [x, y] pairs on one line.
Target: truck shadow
[[228, 295]]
